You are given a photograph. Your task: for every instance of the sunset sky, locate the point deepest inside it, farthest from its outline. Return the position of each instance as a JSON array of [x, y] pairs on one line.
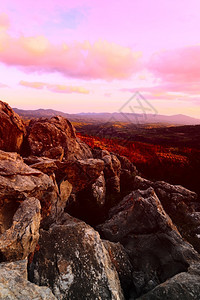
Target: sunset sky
[[92, 56]]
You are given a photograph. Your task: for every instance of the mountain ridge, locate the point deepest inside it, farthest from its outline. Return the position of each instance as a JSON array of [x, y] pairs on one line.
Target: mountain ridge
[[178, 119]]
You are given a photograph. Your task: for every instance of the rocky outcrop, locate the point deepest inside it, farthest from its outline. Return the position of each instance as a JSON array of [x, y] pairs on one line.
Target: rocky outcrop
[[14, 283], [80, 173], [55, 138], [184, 286], [111, 171], [99, 191], [127, 174], [154, 245], [74, 263], [121, 262], [20, 239], [18, 181], [181, 204], [12, 129]]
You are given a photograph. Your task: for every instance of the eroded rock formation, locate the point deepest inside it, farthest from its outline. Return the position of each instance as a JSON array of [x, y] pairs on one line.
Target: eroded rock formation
[[73, 261], [55, 138], [14, 283], [141, 253], [12, 129]]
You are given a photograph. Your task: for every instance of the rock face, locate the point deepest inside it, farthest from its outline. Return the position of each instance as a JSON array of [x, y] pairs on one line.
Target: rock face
[[121, 261], [99, 190], [55, 138], [184, 286], [20, 239], [12, 129], [155, 247], [14, 283], [111, 171], [17, 182], [80, 173], [181, 204], [73, 262]]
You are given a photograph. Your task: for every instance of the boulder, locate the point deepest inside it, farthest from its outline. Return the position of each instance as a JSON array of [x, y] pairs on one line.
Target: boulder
[[19, 181], [126, 164], [99, 190], [89, 203], [74, 263], [14, 283], [181, 204], [154, 245], [55, 138], [20, 239], [80, 173], [184, 286], [122, 264], [12, 129]]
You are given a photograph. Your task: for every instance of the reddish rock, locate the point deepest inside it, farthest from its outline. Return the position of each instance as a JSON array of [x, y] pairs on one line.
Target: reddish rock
[[12, 129], [80, 173], [55, 138], [18, 181]]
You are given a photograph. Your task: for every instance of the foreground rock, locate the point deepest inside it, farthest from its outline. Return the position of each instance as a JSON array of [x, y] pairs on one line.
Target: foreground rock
[[17, 182], [181, 204], [14, 283], [74, 263], [80, 173], [111, 171], [55, 138], [154, 245], [12, 129], [184, 286], [121, 262], [21, 238]]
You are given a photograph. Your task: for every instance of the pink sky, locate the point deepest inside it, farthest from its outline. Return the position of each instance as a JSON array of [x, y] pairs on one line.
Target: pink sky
[[91, 56]]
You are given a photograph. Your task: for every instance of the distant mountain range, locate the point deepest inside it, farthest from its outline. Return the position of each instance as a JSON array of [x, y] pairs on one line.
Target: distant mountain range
[[110, 117]]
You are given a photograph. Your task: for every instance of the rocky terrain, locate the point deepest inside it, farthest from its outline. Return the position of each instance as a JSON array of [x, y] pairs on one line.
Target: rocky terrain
[[79, 223]]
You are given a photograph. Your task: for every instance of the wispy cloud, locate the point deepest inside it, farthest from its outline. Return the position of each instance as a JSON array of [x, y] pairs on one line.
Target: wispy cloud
[[56, 88], [2, 85], [177, 65], [4, 21]]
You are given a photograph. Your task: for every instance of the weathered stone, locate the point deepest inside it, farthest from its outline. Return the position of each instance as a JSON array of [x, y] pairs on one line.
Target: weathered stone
[[18, 181], [126, 164], [80, 173], [65, 190], [50, 137], [181, 205], [74, 263], [99, 190], [46, 166], [153, 243], [12, 129], [121, 261], [55, 152], [14, 283], [184, 286], [20, 239]]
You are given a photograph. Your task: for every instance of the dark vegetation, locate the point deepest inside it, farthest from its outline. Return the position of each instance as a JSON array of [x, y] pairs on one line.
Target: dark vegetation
[[169, 153]]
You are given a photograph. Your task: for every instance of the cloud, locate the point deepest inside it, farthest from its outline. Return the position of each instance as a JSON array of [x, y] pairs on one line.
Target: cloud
[[56, 88], [2, 85], [4, 21], [107, 94], [178, 65], [100, 60]]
